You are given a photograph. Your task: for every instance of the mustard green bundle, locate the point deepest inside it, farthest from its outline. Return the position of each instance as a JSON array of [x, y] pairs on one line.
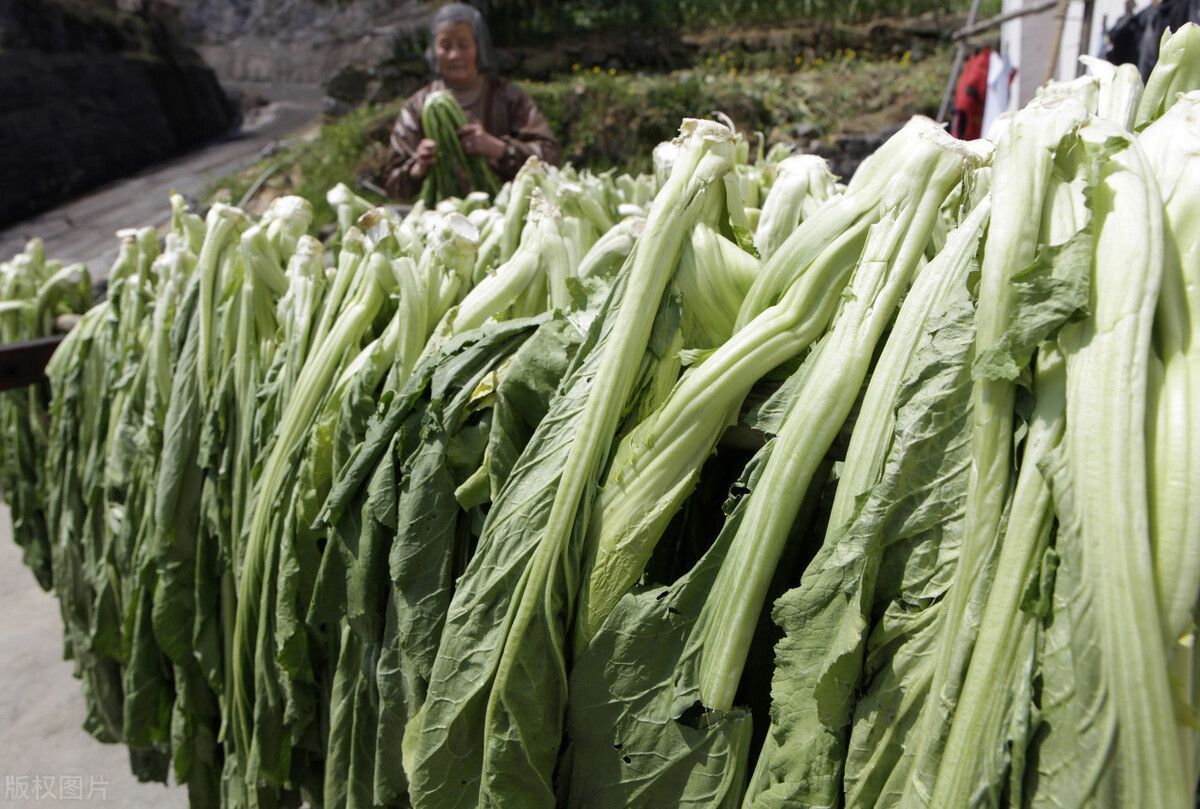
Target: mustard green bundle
[[441, 118]]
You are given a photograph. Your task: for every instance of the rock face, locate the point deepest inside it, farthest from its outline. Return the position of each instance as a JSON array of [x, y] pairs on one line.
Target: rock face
[[847, 152], [93, 90], [268, 42]]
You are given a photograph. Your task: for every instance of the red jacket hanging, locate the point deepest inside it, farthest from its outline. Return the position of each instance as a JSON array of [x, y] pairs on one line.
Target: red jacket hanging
[[969, 97]]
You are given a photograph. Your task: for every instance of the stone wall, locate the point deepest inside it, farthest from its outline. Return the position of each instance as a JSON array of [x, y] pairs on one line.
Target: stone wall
[[91, 91]]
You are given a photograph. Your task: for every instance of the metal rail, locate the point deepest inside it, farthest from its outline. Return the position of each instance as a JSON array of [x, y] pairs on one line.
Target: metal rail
[[24, 363]]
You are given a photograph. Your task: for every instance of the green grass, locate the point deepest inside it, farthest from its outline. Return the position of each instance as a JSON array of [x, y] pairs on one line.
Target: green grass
[[515, 19], [609, 120], [606, 119], [314, 165]]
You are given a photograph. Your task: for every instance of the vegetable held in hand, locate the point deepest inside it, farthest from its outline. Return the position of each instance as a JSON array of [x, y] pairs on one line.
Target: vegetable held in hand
[[442, 118]]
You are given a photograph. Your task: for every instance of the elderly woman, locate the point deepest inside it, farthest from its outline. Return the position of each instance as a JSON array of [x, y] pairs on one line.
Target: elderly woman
[[504, 126]]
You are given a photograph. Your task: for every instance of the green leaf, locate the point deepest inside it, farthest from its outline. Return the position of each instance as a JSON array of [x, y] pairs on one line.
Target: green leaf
[[639, 735], [1048, 294], [852, 665]]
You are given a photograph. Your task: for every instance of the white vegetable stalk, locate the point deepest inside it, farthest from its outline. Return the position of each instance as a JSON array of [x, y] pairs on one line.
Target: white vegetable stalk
[[347, 205], [578, 198], [704, 156], [264, 281], [577, 236], [1023, 166], [298, 309], [714, 275], [555, 258], [610, 250], [1084, 89], [925, 300], [541, 252], [262, 265], [185, 225], [1120, 90], [1172, 146], [174, 267], [1106, 456], [891, 256], [846, 218], [446, 265], [656, 465], [286, 220], [410, 315], [223, 225], [517, 206], [1177, 71], [804, 182]]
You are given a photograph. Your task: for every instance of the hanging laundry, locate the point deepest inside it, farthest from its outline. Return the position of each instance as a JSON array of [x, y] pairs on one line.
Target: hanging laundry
[[1134, 38], [999, 81], [970, 95]]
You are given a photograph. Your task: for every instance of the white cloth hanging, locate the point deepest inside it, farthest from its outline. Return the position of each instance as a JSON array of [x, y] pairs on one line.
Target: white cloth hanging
[[1000, 75]]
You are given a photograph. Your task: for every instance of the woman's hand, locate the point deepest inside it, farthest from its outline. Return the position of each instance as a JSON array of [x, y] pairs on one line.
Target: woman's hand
[[477, 140], [423, 158]]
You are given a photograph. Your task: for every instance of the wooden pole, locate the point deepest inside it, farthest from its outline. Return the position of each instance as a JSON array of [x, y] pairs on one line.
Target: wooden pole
[[1085, 36], [1000, 19], [1060, 25]]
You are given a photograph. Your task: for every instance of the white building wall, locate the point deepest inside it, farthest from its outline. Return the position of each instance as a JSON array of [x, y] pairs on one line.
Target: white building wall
[[1028, 41], [1068, 54]]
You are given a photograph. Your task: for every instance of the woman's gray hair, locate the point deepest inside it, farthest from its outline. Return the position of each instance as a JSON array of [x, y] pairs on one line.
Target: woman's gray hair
[[461, 12]]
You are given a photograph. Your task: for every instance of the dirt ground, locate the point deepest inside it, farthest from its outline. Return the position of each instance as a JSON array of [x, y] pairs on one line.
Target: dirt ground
[[46, 759], [84, 229]]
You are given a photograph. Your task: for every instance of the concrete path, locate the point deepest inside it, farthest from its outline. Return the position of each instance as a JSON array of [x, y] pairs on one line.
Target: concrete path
[[83, 229], [46, 758]]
